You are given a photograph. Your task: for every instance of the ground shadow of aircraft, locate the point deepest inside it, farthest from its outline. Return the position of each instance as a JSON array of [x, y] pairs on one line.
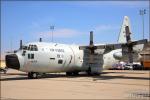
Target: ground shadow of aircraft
[[95, 78]]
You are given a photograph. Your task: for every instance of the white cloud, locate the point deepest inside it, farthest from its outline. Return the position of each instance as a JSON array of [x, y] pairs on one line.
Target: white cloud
[[68, 33], [102, 28], [60, 33]]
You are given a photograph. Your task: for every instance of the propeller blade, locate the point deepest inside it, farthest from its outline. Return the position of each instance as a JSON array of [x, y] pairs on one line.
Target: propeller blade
[[128, 38], [130, 58], [130, 53], [91, 46], [20, 44], [91, 38], [143, 41], [129, 44]]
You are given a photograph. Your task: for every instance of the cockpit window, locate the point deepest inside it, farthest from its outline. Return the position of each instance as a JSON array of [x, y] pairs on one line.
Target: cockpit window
[[32, 48], [24, 47], [35, 47], [29, 47]]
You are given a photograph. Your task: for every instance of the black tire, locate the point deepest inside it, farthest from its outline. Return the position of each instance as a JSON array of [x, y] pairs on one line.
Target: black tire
[[89, 71], [96, 74], [69, 73], [92, 74], [29, 75], [72, 73], [32, 75], [75, 73]]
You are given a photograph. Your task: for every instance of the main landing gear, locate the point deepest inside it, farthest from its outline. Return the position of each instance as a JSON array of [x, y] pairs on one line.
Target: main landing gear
[[32, 75], [92, 73]]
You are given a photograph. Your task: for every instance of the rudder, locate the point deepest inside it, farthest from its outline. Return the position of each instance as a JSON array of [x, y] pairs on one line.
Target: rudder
[[122, 34]]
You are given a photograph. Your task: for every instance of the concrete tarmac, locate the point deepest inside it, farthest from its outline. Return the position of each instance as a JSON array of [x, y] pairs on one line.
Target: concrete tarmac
[[112, 84]]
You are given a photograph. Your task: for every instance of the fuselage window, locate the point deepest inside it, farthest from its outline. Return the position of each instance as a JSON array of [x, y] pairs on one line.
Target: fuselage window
[[25, 48], [32, 48], [35, 47], [29, 47], [30, 56], [60, 61]]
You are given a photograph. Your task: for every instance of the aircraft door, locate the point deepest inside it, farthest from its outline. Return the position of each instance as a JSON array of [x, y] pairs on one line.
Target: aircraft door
[[69, 58], [30, 58]]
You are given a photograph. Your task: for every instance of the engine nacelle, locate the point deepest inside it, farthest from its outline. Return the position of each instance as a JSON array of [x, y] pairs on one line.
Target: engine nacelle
[[124, 56], [118, 55]]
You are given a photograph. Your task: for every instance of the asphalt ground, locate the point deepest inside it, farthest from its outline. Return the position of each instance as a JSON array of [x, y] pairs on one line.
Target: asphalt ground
[[112, 84]]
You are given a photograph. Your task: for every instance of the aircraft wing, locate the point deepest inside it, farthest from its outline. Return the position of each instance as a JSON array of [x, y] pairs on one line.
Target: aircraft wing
[[103, 46], [94, 47], [109, 47], [125, 42]]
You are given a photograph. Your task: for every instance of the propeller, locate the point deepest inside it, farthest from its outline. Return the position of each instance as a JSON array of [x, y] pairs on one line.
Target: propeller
[[127, 48], [90, 47], [129, 45]]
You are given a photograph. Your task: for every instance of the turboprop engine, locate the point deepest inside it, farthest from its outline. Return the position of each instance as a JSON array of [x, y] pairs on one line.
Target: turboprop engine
[[118, 55]]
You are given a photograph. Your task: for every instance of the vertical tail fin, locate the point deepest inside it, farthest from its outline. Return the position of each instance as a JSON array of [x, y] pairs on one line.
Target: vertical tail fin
[[122, 35]]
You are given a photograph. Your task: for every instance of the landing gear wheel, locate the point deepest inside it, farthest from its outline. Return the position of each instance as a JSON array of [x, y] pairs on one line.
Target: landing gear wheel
[[72, 73], [68, 73], [89, 71], [32, 75], [96, 74], [29, 75], [75, 73]]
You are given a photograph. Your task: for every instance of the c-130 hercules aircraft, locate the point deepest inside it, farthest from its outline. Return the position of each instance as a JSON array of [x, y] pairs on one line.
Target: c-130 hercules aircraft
[[40, 57]]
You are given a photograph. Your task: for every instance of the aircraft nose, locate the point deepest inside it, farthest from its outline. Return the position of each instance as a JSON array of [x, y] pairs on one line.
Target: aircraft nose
[[12, 61]]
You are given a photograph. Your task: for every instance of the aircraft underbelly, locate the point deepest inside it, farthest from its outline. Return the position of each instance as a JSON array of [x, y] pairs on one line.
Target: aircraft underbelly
[[46, 69]]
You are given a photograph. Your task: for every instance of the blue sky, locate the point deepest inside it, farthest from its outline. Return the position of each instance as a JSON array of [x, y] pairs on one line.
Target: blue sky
[[30, 20]]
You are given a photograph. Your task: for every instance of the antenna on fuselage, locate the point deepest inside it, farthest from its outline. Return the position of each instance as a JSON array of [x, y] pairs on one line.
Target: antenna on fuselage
[[40, 40]]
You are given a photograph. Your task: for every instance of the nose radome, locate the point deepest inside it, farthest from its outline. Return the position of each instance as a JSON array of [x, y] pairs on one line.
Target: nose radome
[[12, 61]]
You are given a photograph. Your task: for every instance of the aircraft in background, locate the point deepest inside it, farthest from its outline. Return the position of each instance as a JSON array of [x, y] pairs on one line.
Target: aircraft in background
[[42, 57]]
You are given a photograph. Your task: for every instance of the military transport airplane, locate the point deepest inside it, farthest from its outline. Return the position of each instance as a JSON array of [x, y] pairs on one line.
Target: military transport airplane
[[42, 57]]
